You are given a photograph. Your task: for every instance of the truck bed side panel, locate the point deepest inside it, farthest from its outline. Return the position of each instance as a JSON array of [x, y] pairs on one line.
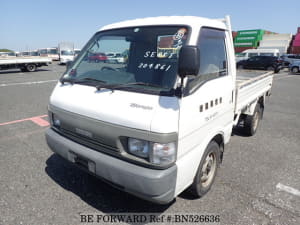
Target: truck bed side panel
[[250, 90]]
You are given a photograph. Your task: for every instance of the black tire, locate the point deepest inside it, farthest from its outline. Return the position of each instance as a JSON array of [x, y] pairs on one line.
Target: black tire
[[251, 122], [295, 69], [210, 162], [23, 69], [31, 67]]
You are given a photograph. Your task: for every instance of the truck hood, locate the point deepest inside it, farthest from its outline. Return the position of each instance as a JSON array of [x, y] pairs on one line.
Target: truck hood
[[130, 109]]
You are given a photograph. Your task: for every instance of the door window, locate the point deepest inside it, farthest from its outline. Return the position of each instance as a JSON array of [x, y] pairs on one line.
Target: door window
[[213, 57]]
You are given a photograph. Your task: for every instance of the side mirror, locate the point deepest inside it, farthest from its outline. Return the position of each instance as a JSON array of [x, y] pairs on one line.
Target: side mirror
[[189, 61]]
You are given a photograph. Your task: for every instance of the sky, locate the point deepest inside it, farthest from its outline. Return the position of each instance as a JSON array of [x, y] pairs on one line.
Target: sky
[[32, 24]]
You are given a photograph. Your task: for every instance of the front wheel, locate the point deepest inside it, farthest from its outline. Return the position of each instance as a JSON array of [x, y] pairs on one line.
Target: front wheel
[[207, 170]]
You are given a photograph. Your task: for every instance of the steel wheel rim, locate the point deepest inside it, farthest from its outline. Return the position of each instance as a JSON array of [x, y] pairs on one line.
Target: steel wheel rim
[[208, 169], [295, 70]]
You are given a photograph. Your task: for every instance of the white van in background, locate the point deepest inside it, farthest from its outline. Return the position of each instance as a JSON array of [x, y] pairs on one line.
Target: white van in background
[[256, 52]]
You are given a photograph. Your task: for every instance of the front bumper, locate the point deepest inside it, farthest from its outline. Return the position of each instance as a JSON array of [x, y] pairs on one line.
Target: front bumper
[[153, 185]]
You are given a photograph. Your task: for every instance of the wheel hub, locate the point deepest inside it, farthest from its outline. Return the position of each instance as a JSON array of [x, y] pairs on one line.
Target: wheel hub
[[208, 170]]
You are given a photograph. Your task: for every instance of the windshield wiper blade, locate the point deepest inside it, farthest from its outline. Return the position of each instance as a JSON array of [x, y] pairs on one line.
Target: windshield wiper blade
[[116, 86], [89, 79], [137, 83]]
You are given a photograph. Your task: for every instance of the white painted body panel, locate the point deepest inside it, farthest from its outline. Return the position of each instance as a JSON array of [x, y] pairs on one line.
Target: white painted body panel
[[196, 129], [115, 107]]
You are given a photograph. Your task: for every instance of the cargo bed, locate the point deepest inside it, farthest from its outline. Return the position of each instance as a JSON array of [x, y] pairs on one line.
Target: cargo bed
[[250, 85], [25, 64], [17, 60]]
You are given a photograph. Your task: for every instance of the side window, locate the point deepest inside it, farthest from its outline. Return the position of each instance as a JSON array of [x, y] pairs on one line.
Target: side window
[[213, 57]]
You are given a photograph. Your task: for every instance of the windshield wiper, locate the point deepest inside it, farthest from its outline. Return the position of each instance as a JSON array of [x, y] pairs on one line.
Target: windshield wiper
[[137, 83], [89, 79], [116, 86]]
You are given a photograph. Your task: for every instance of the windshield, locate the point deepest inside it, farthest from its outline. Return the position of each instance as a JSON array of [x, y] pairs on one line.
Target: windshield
[[146, 55], [43, 51], [67, 52], [34, 54], [52, 51]]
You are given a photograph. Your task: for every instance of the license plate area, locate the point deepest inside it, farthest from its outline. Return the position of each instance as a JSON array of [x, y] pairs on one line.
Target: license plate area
[[82, 162]]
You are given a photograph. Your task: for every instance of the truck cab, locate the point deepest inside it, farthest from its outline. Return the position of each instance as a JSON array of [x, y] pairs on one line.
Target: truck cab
[[66, 52], [156, 124]]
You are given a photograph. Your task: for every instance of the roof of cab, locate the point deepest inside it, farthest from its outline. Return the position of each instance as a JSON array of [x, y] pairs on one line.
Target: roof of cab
[[191, 21]]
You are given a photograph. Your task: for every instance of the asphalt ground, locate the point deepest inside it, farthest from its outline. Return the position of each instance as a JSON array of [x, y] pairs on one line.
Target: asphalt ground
[[258, 182]]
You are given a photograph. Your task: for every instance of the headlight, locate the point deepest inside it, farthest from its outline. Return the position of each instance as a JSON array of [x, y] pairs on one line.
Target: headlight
[[156, 153], [138, 147]]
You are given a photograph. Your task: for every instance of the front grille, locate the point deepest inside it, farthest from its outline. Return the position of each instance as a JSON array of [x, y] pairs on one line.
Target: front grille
[[88, 142]]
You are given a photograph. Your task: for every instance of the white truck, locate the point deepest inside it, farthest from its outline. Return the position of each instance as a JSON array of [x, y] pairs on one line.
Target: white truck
[[66, 52], [25, 64], [157, 124]]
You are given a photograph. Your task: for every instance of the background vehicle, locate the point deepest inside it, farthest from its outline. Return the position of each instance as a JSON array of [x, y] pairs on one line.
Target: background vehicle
[[261, 62], [26, 53], [97, 57], [295, 67], [287, 59], [115, 57], [256, 52], [157, 124], [34, 53], [51, 53], [7, 54], [76, 52], [26, 64], [66, 52]]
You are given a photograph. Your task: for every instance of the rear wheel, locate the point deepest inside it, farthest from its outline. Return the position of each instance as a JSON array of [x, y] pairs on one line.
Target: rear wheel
[[23, 69], [207, 170], [295, 69], [31, 67], [251, 122]]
